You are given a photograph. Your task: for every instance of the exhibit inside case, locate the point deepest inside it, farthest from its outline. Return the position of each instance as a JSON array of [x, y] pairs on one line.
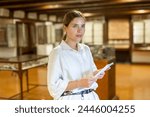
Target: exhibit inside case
[[102, 51], [25, 61]]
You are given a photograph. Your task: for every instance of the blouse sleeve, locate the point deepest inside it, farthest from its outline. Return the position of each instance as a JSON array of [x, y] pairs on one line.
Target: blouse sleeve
[[94, 85], [91, 59], [55, 81]]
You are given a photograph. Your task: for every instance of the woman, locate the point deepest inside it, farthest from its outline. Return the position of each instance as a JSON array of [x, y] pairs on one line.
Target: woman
[[71, 67]]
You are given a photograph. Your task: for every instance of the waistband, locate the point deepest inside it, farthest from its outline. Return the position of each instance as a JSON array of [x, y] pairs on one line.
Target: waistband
[[66, 93]]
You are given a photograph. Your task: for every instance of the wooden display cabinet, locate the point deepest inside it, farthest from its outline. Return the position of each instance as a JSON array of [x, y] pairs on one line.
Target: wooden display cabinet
[[107, 86]]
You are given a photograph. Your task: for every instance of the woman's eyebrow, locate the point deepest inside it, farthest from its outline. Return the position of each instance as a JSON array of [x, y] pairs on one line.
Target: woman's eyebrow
[[78, 23]]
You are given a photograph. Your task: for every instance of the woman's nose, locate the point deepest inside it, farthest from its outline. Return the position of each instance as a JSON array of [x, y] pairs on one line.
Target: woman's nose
[[79, 29]]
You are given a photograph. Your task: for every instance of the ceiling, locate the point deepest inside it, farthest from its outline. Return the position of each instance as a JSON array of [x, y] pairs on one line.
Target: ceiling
[[90, 7]]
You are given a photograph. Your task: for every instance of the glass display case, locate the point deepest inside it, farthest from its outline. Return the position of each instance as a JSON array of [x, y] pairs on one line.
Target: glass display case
[[141, 40], [141, 32], [102, 52], [94, 32], [3, 39], [21, 64], [119, 37], [8, 35]]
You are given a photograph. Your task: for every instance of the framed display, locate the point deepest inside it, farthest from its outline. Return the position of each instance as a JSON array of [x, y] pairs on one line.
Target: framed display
[[32, 35], [41, 34], [98, 32], [147, 31], [118, 29], [3, 39], [11, 35], [88, 33], [141, 32], [138, 32], [22, 35], [58, 32]]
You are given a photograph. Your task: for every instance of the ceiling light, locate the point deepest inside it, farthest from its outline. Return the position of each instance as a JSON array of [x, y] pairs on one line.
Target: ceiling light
[[87, 14], [51, 6], [141, 11]]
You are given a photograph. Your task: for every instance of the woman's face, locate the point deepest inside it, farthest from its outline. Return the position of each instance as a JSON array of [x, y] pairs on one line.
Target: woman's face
[[75, 30]]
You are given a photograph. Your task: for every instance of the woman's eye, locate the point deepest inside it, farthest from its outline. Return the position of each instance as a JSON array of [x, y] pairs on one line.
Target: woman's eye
[[83, 26], [75, 25]]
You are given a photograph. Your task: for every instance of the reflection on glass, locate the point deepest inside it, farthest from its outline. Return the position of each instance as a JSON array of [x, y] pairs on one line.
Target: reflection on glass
[[22, 35], [138, 32], [147, 31], [3, 39], [11, 35], [41, 34]]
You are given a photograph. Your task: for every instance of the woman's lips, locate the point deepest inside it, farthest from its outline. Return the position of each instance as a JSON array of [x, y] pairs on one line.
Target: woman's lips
[[79, 36]]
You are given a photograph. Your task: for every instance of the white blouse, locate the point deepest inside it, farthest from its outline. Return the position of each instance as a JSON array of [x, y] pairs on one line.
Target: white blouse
[[66, 64]]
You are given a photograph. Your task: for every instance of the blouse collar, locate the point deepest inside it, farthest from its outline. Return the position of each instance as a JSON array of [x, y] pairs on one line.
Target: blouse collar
[[65, 46]]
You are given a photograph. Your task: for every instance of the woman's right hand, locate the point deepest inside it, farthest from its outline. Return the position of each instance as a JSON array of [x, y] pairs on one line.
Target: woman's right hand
[[86, 82]]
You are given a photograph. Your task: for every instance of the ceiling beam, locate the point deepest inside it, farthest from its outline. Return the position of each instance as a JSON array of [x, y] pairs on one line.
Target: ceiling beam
[[59, 7]]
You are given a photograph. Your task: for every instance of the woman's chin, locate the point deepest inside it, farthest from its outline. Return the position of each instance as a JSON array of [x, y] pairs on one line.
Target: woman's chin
[[78, 39]]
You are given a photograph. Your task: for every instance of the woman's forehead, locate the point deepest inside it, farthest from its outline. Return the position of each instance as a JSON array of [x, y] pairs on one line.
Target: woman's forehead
[[78, 20]]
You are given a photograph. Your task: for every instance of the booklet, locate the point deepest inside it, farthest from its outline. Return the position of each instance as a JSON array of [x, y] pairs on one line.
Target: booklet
[[104, 69]]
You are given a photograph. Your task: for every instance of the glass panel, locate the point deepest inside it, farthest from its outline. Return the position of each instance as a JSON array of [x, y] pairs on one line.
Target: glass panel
[[41, 33], [22, 35], [88, 33], [147, 31], [32, 33], [98, 33], [58, 32], [11, 35], [3, 39], [138, 32]]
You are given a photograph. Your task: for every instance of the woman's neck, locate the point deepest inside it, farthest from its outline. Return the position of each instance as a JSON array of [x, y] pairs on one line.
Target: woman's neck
[[72, 44]]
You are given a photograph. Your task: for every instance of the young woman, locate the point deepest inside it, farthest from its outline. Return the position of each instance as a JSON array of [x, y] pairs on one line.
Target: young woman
[[70, 66]]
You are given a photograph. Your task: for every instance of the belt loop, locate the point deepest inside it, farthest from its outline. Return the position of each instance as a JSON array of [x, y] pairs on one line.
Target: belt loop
[[82, 96]]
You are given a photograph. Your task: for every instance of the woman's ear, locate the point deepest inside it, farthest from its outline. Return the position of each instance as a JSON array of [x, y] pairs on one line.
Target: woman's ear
[[64, 28]]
